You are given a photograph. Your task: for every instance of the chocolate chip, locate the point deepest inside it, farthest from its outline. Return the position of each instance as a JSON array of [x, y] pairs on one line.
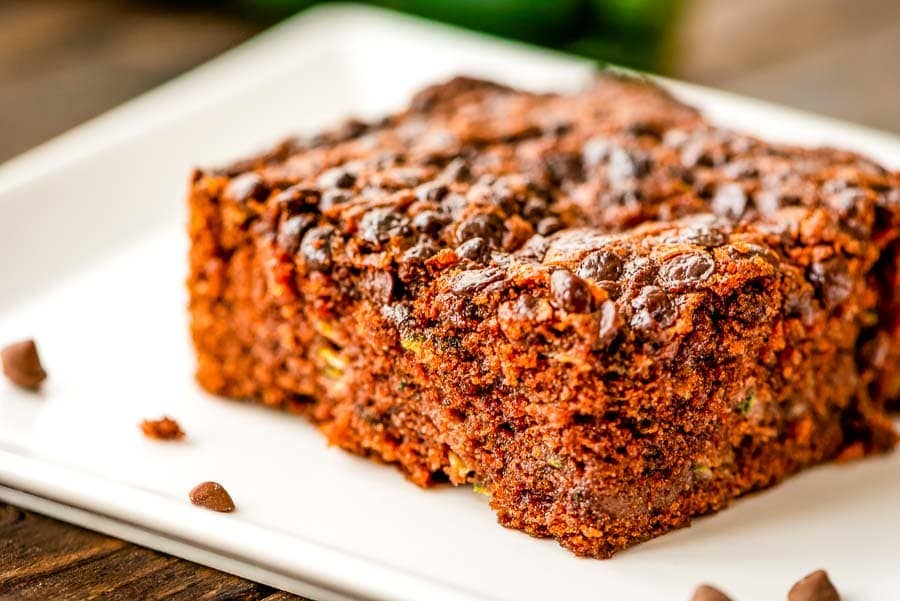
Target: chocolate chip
[[475, 249], [164, 428], [799, 302], [380, 225], [689, 268], [420, 251], [705, 592], [432, 191], [625, 165], [570, 292], [600, 266], [609, 322], [454, 204], [641, 271], [814, 587], [563, 167], [535, 208], [475, 280], [336, 178], [652, 306], [212, 495], [430, 222], [535, 248], [832, 280], [729, 201], [484, 225], [22, 365], [646, 128], [503, 198], [316, 247], [296, 198], [332, 198], [456, 171], [378, 286], [245, 187], [709, 237], [595, 151], [548, 225], [291, 230]]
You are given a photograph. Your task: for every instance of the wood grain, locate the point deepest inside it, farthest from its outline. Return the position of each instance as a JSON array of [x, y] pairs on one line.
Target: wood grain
[[41, 558]]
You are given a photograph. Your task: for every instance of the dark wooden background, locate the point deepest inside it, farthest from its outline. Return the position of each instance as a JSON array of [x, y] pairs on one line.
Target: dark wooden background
[[65, 61]]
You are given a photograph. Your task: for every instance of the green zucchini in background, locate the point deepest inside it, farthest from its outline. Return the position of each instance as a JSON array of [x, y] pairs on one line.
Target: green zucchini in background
[[627, 32]]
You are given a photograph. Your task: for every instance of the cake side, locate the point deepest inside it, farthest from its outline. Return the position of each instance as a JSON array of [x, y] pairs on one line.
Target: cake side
[[466, 290]]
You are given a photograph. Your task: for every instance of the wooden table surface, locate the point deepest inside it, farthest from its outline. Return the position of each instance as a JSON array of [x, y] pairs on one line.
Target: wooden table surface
[[43, 559], [64, 61]]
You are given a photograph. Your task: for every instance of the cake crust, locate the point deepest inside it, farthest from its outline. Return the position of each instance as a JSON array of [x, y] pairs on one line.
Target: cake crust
[[604, 311]]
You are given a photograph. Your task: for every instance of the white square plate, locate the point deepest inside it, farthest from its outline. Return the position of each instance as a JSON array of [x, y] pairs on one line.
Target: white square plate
[[93, 261]]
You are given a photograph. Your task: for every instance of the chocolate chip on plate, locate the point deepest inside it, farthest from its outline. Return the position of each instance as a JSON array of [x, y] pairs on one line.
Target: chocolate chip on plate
[[22, 365], [212, 495], [706, 592], [570, 291], [814, 587], [164, 428]]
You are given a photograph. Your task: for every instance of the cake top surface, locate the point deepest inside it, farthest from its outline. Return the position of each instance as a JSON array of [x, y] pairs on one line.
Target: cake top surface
[[619, 193]]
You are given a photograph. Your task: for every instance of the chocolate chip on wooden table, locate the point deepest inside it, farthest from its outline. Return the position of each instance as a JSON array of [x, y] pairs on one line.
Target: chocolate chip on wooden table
[[705, 592], [814, 587], [212, 495], [22, 364], [164, 428], [570, 291]]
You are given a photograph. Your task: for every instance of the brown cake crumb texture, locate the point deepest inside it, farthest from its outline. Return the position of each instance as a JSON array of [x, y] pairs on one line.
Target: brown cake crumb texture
[[164, 428], [601, 309], [22, 364]]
